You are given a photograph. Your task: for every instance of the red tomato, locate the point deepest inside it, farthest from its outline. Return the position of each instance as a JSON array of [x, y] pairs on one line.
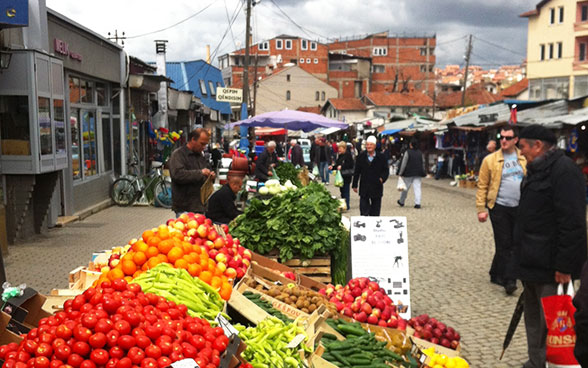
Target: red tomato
[[86, 308], [98, 340], [44, 349], [22, 356], [112, 362], [42, 362], [46, 337], [166, 347], [188, 350], [220, 343], [81, 348], [126, 342], [62, 352], [104, 325], [99, 356], [87, 364], [30, 346], [78, 301], [201, 361], [123, 327], [112, 338], [63, 332], [11, 355], [198, 342], [136, 355], [124, 363], [215, 360], [175, 356], [110, 305], [149, 363], [138, 331], [153, 351], [116, 352], [153, 332], [163, 362], [89, 320], [58, 341], [82, 333], [119, 285], [143, 341]]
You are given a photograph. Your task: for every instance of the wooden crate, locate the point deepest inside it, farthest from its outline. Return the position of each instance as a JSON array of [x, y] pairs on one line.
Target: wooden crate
[[318, 268]]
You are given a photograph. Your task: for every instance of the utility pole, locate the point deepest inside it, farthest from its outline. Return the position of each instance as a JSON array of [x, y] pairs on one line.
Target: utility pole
[[244, 143], [467, 66], [116, 37], [255, 86]]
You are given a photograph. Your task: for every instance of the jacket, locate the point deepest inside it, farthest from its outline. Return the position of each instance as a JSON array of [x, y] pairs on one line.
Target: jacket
[[412, 164], [370, 174], [296, 156], [346, 162], [490, 176], [221, 206], [550, 231], [185, 168], [263, 163], [316, 154], [581, 317]]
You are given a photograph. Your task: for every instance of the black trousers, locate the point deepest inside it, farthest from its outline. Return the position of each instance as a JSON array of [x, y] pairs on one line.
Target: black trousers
[[370, 206], [503, 220]]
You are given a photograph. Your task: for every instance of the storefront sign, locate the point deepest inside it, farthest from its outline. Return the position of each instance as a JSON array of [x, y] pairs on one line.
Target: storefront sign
[[14, 13], [234, 95], [388, 238], [62, 48]]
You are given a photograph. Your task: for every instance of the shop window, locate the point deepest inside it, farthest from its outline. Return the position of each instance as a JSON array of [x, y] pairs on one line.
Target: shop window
[[75, 143], [89, 136], [317, 96], [304, 44], [45, 126], [101, 98], [15, 129], [59, 119], [288, 95], [87, 91], [74, 90], [211, 87], [57, 79], [107, 142], [203, 88]]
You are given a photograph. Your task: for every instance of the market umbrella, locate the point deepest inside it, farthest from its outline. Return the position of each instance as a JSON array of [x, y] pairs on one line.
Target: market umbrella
[[289, 119], [514, 322]]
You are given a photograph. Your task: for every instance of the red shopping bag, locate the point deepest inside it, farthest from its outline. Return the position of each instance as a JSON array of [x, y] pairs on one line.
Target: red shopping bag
[[561, 336]]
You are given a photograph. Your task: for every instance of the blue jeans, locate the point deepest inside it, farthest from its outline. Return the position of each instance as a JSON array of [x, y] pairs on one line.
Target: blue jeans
[[324, 171], [345, 194]]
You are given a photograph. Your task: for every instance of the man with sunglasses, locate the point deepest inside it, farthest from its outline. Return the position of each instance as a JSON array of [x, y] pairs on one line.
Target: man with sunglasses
[[499, 183]]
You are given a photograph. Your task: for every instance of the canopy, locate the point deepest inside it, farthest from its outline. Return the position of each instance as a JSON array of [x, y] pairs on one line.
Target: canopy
[[289, 119], [270, 131]]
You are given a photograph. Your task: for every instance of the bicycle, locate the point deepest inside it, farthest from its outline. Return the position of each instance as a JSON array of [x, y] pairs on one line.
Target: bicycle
[[127, 190]]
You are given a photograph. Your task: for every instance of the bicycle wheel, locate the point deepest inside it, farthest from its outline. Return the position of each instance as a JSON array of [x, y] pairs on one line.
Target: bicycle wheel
[[163, 194], [123, 192]]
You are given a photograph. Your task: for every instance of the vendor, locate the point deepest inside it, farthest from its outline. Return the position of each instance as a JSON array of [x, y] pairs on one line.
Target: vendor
[[266, 162], [221, 205]]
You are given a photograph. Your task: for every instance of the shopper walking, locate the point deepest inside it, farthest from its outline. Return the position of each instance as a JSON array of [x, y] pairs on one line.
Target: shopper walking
[[266, 161], [322, 158], [189, 169], [581, 317], [371, 172], [345, 165], [499, 190], [550, 233], [439, 167], [295, 155], [412, 170]]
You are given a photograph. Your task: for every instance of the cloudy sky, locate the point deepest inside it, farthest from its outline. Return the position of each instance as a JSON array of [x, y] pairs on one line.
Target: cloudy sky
[[499, 33]]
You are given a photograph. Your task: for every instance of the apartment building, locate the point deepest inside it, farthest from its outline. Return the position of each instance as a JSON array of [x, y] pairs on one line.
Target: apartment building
[[557, 49]]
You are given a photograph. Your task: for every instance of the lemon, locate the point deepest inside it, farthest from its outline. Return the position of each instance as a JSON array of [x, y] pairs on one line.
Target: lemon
[[432, 360], [451, 363], [437, 366], [461, 363], [442, 359]]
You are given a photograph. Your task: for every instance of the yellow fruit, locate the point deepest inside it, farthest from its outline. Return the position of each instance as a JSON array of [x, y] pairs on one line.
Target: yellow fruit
[[451, 363], [437, 366], [461, 363], [442, 359]]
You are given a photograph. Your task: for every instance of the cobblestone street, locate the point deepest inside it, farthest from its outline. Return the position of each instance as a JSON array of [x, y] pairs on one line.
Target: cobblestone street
[[450, 254]]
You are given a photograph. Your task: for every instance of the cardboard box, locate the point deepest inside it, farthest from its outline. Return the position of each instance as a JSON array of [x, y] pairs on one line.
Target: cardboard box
[[81, 278], [7, 336], [246, 307], [286, 309], [27, 309], [271, 264], [439, 349]]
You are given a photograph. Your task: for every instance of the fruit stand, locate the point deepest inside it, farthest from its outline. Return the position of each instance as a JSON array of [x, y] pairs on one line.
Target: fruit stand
[[192, 292]]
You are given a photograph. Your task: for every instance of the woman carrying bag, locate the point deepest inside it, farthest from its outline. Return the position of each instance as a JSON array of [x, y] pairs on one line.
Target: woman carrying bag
[[345, 165]]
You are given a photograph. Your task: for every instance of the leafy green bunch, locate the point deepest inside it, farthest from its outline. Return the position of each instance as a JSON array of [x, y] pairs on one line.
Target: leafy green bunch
[[286, 171]]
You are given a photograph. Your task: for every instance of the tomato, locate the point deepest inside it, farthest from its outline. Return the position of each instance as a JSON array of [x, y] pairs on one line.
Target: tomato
[[112, 362], [138, 331], [62, 352], [105, 285], [215, 360], [22, 356], [123, 327], [124, 363], [175, 356], [99, 356], [220, 343], [103, 325], [44, 349], [143, 341], [136, 355], [195, 328], [46, 337], [58, 341], [82, 333], [81, 348], [112, 338], [126, 342], [119, 285], [153, 332], [116, 352], [206, 352], [42, 362], [111, 305], [165, 347], [201, 361], [55, 363], [153, 351], [87, 364], [98, 340], [77, 303], [197, 341], [89, 320], [188, 350], [210, 336], [30, 346]]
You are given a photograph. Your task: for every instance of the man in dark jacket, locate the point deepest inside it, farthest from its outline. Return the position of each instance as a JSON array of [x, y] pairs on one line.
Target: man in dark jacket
[[550, 233], [266, 161], [412, 170], [295, 155], [221, 205], [189, 169], [581, 316], [372, 168]]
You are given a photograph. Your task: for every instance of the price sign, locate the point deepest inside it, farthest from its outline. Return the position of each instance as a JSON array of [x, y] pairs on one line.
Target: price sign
[[379, 250], [295, 341], [185, 363]]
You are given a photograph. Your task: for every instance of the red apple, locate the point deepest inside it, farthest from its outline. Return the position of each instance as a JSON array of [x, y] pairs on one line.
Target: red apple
[[361, 317], [382, 323], [374, 286], [372, 320], [348, 312], [365, 307], [392, 323]]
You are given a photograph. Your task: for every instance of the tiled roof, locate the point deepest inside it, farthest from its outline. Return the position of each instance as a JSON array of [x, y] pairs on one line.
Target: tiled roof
[[516, 88], [343, 104], [314, 109], [475, 95], [399, 99]]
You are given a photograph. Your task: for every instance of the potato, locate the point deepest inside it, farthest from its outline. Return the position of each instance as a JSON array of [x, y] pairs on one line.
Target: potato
[[312, 308], [305, 310]]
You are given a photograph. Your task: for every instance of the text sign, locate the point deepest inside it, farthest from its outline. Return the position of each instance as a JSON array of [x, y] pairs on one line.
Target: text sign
[[62, 48], [388, 238], [234, 95]]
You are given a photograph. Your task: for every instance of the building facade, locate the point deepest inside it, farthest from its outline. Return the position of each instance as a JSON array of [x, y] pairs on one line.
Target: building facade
[[557, 49]]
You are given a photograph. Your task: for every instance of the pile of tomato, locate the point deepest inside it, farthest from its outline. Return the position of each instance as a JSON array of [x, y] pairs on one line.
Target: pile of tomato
[[117, 326]]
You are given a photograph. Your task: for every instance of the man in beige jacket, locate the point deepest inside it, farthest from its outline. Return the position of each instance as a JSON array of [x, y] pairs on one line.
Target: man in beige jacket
[[499, 190]]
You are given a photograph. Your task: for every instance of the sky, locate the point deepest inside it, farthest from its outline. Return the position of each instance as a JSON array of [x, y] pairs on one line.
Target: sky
[[499, 34]]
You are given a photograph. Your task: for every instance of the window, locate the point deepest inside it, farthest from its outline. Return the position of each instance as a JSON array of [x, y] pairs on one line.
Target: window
[[584, 13], [317, 96], [550, 51], [323, 95], [380, 51], [202, 88], [431, 68], [87, 91], [582, 52], [542, 56], [74, 90], [288, 77], [107, 142], [101, 94], [561, 14], [551, 15], [264, 46], [89, 136], [45, 126], [308, 61], [423, 68], [288, 44], [315, 60], [288, 95], [313, 46], [75, 143], [301, 60], [431, 50], [378, 68], [559, 50], [14, 114], [304, 44], [212, 89], [59, 118], [423, 51], [279, 44]]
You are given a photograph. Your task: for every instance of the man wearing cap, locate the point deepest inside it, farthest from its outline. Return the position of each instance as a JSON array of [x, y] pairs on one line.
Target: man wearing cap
[[371, 171], [550, 232]]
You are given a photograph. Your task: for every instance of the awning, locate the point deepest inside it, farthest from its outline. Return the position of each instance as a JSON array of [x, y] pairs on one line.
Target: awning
[[484, 116], [270, 131], [390, 131], [328, 131]]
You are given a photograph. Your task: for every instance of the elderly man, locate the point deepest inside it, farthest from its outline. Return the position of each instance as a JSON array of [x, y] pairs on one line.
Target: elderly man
[[550, 232], [221, 205], [266, 161], [371, 171], [189, 169], [295, 155]]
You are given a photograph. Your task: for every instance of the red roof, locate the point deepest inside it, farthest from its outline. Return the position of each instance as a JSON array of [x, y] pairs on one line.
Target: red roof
[[400, 99], [351, 103], [476, 95], [534, 11], [516, 88], [313, 109]]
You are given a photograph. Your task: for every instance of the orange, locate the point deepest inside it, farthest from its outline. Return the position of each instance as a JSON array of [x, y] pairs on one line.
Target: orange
[[152, 262], [174, 254], [129, 267], [205, 276], [218, 272], [128, 256], [163, 232], [164, 246], [181, 263], [186, 247], [139, 258], [162, 257], [137, 274], [152, 252], [147, 234], [194, 270], [153, 241], [225, 291], [216, 282], [197, 249], [139, 246], [115, 274], [128, 278]]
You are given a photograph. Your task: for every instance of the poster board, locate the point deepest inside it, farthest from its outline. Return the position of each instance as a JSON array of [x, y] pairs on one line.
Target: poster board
[[379, 250]]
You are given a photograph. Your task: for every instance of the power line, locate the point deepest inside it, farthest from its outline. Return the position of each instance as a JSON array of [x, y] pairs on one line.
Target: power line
[[451, 41], [173, 25], [229, 20], [303, 29], [500, 47]]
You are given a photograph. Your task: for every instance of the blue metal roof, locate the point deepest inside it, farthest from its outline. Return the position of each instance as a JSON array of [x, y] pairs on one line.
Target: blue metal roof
[[187, 76]]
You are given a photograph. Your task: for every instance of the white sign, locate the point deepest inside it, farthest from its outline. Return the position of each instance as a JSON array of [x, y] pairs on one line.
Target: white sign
[[185, 363], [234, 95], [379, 250], [227, 327]]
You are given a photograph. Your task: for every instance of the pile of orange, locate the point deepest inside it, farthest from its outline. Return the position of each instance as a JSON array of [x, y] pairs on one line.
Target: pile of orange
[[165, 246]]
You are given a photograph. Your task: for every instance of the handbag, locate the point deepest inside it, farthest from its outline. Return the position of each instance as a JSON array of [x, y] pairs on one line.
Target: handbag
[[347, 172], [206, 190], [338, 179], [561, 335], [401, 185]]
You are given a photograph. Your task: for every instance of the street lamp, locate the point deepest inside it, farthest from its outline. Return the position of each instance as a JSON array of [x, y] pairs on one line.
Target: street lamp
[[5, 57]]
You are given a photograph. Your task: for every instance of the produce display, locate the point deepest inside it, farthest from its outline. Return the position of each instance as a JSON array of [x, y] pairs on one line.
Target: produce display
[[443, 361], [287, 172], [298, 223], [266, 306], [398, 342], [179, 286], [364, 301], [432, 330], [267, 344], [117, 326], [274, 187]]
